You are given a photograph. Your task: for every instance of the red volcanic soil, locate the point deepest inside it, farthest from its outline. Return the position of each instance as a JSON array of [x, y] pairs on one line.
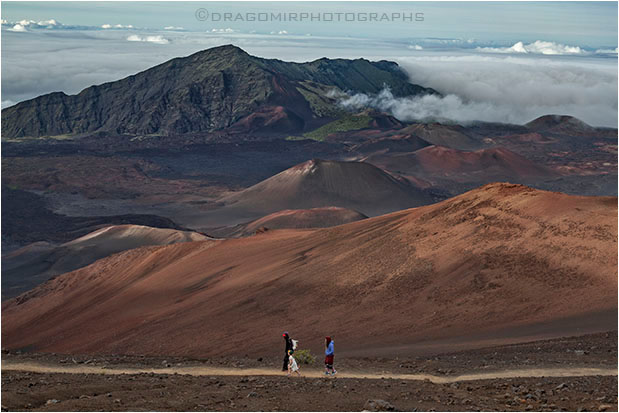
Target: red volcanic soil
[[293, 218], [315, 184], [270, 119], [498, 264], [452, 136], [484, 164]]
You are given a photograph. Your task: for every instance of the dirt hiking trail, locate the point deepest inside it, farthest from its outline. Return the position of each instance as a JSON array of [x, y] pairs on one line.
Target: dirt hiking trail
[[215, 371]]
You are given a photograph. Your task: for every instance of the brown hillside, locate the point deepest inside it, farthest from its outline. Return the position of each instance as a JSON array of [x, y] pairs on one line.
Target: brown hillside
[[481, 165], [293, 218], [316, 184], [34, 264], [500, 263]]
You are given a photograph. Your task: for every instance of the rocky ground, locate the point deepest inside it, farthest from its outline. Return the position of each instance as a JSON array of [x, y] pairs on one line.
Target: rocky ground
[[153, 392], [22, 390]]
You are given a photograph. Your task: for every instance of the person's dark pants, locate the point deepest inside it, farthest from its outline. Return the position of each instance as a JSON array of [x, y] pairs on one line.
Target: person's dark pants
[[285, 363]]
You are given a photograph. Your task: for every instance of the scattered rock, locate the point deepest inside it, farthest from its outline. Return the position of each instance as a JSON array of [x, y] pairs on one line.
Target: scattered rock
[[252, 394], [379, 406], [605, 407], [561, 386], [52, 401]]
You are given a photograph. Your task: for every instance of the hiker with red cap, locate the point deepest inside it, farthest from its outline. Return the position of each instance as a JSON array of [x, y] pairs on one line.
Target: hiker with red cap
[[329, 352], [289, 348]]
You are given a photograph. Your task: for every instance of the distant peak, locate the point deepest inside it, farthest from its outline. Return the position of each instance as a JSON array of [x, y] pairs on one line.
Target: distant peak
[[228, 47], [549, 121], [225, 50], [308, 166], [505, 188]]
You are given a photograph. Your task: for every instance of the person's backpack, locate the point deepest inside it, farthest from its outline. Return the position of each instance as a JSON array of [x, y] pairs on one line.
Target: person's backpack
[[294, 343]]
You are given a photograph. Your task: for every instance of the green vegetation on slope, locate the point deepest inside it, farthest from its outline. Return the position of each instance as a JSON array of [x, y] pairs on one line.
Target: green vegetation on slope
[[317, 96], [347, 123]]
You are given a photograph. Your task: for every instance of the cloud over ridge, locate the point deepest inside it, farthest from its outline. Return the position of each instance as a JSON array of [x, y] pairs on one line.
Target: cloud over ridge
[[514, 87], [148, 39], [506, 90]]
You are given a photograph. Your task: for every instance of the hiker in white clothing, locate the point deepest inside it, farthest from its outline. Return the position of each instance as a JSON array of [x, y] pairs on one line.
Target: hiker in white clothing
[[293, 367]]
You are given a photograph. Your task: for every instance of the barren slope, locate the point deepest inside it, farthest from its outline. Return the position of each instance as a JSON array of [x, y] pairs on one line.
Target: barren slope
[[33, 264], [293, 218], [316, 184], [452, 136], [560, 124], [500, 263], [463, 166]]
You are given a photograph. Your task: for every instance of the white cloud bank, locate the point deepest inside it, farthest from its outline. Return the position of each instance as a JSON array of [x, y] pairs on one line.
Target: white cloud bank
[[504, 89], [7, 103], [149, 39], [116, 26], [514, 88], [608, 51], [226, 30], [26, 25], [18, 28], [53, 24], [537, 47]]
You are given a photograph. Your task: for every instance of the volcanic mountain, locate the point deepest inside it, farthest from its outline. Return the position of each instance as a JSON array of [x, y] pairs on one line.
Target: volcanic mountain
[[36, 263], [209, 90], [560, 124], [315, 184], [503, 263], [293, 218], [463, 166], [451, 136]]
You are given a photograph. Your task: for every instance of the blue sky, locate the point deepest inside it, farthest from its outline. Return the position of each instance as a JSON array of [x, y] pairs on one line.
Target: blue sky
[[589, 24], [500, 61]]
